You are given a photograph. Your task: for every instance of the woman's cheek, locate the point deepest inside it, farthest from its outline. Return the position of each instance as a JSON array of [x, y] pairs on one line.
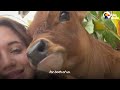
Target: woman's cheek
[[22, 58], [26, 61]]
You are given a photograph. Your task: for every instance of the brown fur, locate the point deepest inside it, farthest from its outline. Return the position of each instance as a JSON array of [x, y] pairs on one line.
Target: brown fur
[[83, 56]]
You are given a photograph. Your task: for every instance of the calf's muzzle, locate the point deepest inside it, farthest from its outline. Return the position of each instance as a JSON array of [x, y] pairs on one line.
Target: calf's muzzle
[[37, 52]]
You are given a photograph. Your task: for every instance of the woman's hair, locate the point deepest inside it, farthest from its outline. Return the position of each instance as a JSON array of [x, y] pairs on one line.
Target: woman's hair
[[18, 28]]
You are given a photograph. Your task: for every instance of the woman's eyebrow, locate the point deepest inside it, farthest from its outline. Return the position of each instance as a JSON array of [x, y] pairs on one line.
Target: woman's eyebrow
[[14, 42]]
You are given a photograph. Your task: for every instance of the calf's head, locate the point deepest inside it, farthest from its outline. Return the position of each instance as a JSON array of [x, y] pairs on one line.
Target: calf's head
[[57, 40]]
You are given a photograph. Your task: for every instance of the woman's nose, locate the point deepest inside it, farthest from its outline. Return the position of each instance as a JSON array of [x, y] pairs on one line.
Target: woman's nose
[[8, 62]]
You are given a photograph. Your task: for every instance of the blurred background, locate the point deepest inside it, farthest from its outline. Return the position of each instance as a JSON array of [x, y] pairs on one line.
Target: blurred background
[[24, 17]]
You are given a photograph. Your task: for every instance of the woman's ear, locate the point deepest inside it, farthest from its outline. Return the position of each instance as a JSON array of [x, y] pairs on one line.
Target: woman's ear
[[29, 34]]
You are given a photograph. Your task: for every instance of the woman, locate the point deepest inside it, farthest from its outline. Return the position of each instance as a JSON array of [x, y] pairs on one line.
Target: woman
[[14, 63]]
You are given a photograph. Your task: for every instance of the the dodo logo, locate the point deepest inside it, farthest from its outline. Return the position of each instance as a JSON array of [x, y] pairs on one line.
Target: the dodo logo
[[107, 15]]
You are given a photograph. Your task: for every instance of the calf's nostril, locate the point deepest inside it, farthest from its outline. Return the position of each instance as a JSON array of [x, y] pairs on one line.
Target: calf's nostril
[[41, 46]]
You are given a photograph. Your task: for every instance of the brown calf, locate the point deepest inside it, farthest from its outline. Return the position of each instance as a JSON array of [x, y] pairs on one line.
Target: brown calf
[[61, 43]]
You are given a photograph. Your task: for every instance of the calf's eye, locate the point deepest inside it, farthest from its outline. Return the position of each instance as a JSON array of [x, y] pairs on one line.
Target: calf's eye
[[64, 16]]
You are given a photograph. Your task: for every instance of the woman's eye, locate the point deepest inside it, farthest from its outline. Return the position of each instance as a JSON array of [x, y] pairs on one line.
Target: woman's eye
[[16, 50], [64, 16]]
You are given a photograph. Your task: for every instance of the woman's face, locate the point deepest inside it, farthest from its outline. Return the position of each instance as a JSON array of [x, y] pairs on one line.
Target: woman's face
[[14, 63]]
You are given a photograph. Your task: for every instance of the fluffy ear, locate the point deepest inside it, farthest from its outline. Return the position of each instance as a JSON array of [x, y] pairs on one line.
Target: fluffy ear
[[38, 19], [82, 15]]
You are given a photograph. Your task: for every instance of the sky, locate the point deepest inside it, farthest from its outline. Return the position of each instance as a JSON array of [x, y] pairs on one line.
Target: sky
[[8, 12], [15, 16]]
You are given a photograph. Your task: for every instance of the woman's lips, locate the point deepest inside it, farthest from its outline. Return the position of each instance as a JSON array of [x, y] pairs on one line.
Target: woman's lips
[[17, 74]]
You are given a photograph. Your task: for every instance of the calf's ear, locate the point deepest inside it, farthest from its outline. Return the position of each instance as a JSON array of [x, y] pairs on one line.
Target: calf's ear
[[81, 15], [39, 18]]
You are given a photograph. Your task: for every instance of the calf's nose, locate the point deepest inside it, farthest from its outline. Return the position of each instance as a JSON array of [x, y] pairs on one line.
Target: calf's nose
[[37, 52]]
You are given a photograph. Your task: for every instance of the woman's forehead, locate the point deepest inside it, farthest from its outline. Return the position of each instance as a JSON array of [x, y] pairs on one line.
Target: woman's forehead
[[7, 34]]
